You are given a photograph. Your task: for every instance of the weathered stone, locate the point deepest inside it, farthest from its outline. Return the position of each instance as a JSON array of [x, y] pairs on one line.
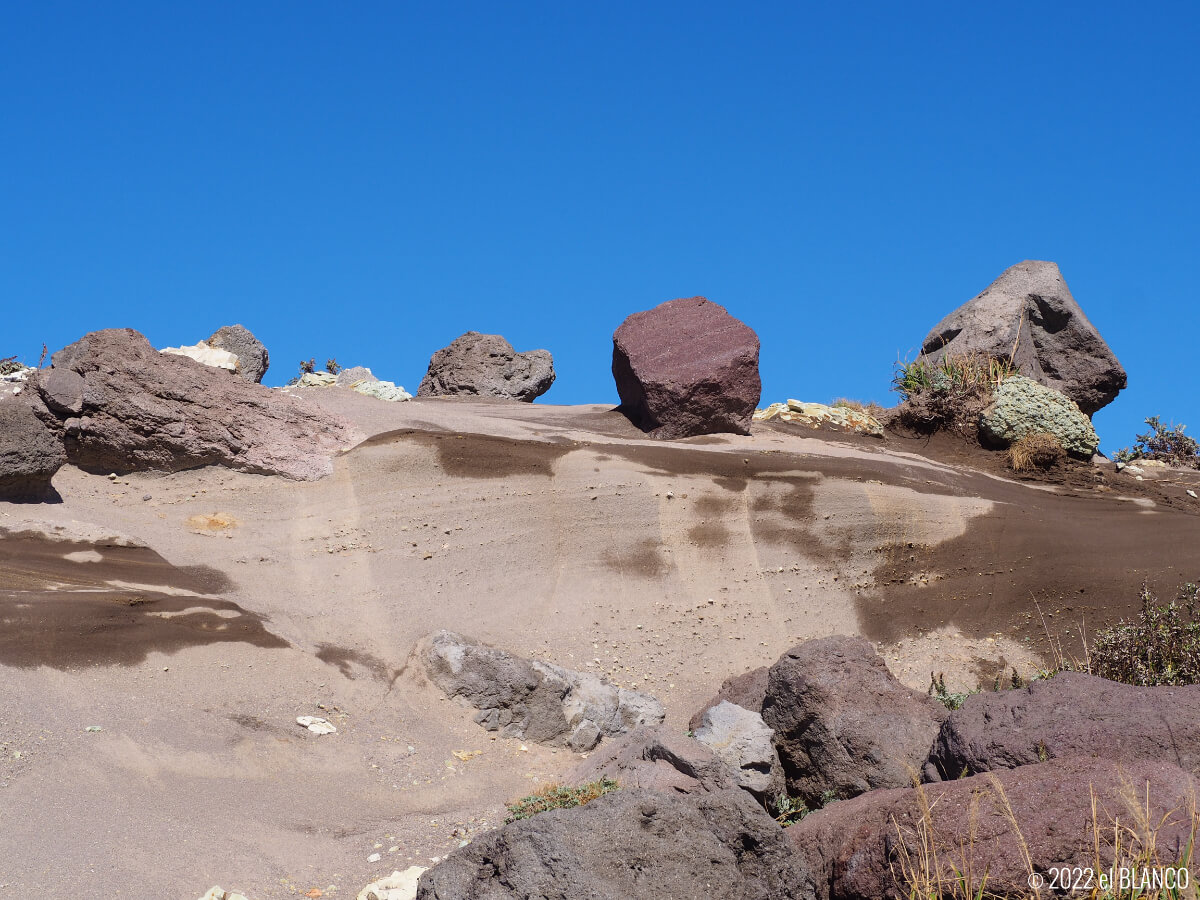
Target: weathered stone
[[627, 844], [818, 415], [62, 391], [317, 379], [382, 390], [535, 700], [30, 453], [485, 365], [206, 355], [354, 375], [1067, 715], [144, 410], [741, 739], [252, 357], [746, 690], [656, 759], [843, 723], [1028, 314], [870, 847], [397, 886], [1021, 406], [687, 367]]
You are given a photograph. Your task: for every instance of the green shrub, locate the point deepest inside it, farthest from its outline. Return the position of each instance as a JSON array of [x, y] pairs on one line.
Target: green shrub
[[9, 364], [1161, 646], [950, 393], [790, 810], [556, 796], [1167, 443]]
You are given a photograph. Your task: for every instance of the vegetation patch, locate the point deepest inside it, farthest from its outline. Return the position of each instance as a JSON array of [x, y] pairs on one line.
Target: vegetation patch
[[1166, 443], [1161, 646], [948, 394], [555, 796], [790, 810], [1036, 452]]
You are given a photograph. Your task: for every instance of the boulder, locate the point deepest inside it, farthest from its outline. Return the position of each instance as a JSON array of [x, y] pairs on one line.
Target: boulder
[[687, 367], [382, 390], [397, 886], [655, 758], [30, 453], [884, 844], [1021, 406], [143, 410], [485, 365], [252, 357], [535, 700], [625, 845], [1028, 314], [741, 739], [843, 723], [206, 355], [818, 415], [354, 375], [746, 690], [1067, 715]]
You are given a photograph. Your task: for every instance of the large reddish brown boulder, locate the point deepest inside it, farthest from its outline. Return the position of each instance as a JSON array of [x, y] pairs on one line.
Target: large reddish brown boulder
[[121, 406], [685, 368], [1029, 316], [30, 453], [884, 844], [1067, 715], [843, 723]]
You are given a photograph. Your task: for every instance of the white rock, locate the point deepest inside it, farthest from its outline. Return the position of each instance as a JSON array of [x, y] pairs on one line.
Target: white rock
[[1192, 493], [397, 886], [374, 857], [215, 893], [316, 724], [209, 356], [317, 379], [383, 390]]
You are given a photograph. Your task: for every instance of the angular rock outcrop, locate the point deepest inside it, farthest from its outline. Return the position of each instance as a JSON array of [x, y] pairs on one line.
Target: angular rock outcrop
[[1028, 313], [252, 357], [123, 407], [1067, 715], [535, 700], [1021, 406], [486, 365], [206, 355], [30, 453], [741, 739], [843, 723], [656, 759], [746, 690], [627, 844], [687, 367], [870, 847]]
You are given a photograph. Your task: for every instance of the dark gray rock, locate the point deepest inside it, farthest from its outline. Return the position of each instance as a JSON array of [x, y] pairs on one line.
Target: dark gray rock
[[687, 367], [843, 723], [30, 453], [252, 356], [534, 700], [485, 365], [62, 391], [1028, 313], [656, 759], [628, 845], [1070, 714]]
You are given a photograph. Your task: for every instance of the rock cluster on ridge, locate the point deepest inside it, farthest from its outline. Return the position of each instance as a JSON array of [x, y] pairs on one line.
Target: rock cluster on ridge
[[486, 365]]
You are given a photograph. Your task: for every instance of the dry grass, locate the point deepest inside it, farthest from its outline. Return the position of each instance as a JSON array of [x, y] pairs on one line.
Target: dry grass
[[1035, 452], [870, 408], [555, 796], [949, 394]]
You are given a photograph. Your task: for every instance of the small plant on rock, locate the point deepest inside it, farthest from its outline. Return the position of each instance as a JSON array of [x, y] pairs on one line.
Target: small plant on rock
[[952, 700], [789, 810], [949, 394], [308, 366], [1166, 443], [332, 366], [9, 364], [555, 796], [1035, 452]]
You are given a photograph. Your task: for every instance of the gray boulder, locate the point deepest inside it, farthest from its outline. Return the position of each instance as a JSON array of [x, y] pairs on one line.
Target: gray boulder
[[1070, 714], [741, 739], [655, 759], [843, 723], [30, 453], [1021, 406], [252, 357], [535, 700], [486, 365], [627, 845], [746, 690], [1029, 313]]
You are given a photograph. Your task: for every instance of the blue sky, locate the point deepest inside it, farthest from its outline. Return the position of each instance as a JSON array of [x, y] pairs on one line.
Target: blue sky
[[367, 181]]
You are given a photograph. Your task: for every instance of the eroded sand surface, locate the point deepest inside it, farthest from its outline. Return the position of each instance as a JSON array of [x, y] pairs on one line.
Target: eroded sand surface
[[556, 532]]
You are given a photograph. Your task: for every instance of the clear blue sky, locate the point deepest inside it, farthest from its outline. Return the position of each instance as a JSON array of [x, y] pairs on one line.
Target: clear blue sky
[[367, 181]]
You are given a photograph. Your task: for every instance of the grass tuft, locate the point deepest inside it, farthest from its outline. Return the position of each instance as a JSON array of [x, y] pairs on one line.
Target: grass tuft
[[1035, 452], [555, 796]]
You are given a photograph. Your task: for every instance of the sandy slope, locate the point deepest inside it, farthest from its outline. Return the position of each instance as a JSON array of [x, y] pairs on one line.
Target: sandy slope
[[552, 531]]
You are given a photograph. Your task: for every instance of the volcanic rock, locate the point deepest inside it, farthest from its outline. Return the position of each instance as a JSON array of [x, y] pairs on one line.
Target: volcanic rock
[[656, 758], [746, 690], [843, 723], [1028, 314], [687, 367], [1067, 715], [206, 355], [1021, 406], [252, 357], [742, 741], [535, 700], [144, 410], [485, 365], [30, 453], [627, 844]]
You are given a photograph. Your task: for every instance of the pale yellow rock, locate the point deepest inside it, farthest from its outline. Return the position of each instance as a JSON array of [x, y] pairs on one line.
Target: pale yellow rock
[[209, 356], [814, 415]]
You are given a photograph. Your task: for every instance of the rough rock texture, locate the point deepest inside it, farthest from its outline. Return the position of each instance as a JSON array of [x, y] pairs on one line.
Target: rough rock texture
[[746, 690], [628, 845], [1021, 406], [687, 367], [818, 415], [252, 357], [843, 723], [397, 886], [485, 365], [206, 355], [535, 700], [30, 453], [382, 390], [854, 849], [742, 741], [1029, 308], [144, 410], [354, 375], [1067, 715], [655, 759]]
